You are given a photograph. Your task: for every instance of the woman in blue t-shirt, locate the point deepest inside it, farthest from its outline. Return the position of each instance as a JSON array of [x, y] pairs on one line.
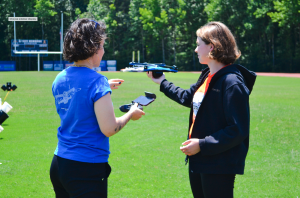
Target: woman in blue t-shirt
[[82, 98]]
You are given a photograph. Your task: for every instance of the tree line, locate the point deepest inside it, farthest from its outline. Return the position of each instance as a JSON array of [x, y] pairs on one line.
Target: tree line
[[267, 31]]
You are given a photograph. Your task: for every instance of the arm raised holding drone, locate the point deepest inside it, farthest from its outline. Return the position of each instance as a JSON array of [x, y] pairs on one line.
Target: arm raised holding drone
[[156, 80], [179, 95]]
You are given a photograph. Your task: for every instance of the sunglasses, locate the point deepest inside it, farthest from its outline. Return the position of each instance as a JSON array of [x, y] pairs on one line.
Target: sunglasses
[[95, 24]]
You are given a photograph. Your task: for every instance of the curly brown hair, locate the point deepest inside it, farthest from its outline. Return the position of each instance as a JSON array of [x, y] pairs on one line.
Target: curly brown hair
[[225, 48], [83, 39]]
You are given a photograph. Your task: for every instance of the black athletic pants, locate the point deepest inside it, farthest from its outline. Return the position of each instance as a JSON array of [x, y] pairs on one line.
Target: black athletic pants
[[212, 185], [79, 179]]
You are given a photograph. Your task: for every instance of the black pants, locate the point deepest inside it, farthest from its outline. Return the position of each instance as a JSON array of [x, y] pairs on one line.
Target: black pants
[[79, 179], [212, 185]]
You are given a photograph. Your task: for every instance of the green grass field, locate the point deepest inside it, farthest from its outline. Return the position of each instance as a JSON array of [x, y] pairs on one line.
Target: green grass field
[[145, 156]]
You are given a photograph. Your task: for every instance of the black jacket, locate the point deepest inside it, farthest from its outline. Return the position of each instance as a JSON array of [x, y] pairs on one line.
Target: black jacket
[[223, 119]]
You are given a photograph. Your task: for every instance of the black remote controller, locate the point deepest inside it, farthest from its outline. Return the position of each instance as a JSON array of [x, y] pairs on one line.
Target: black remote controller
[[126, 108], [141, 100]]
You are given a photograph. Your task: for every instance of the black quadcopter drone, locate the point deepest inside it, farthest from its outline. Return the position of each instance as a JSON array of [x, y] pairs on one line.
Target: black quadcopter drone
[[156, 68], [8, 87]]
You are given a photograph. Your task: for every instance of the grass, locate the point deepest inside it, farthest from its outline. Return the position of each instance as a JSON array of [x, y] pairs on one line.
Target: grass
[[145, 156]]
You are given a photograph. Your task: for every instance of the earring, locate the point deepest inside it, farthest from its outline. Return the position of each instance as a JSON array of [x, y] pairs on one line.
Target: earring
[[89, 62]]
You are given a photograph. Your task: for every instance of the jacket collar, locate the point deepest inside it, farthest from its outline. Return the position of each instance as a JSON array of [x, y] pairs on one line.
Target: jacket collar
[[248, 76]]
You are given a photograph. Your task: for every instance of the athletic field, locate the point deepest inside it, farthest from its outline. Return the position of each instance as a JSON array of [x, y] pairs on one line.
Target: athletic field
[[145, 156]]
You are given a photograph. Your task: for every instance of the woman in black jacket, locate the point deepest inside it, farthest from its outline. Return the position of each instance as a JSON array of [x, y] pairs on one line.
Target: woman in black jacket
[[218, 138]]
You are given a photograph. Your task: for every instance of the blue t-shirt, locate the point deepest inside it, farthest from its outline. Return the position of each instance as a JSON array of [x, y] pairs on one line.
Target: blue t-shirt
[[75, 90]]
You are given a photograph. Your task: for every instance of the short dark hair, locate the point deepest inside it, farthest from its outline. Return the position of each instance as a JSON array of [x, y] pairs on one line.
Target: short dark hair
[[225, 48], [83, 39]]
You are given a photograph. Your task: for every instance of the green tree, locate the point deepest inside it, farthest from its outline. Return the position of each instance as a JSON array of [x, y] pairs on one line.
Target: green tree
[[287, 15], [155, 20], [176, 16], [47, 27], [25, 30], [138, 35], [44, 9], [266, 59], [115, 15], [267, 31], [195, 18]]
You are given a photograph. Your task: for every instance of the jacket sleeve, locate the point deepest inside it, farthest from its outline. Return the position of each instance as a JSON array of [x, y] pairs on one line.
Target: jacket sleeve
[[236, 110], [179, 95]]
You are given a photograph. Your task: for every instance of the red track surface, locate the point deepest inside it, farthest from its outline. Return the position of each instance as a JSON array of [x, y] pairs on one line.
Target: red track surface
[[295, 75]]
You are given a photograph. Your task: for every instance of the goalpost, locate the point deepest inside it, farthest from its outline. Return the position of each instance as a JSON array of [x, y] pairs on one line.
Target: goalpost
[[38, 53]]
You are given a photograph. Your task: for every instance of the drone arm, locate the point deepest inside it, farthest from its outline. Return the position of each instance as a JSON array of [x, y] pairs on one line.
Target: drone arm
[[179, 95]]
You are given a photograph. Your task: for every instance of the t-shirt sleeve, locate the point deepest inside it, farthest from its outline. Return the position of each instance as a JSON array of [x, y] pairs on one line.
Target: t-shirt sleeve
[[100, 88]]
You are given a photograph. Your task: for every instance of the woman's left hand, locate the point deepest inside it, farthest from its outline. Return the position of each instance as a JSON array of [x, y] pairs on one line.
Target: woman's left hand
[[192, 147], [114, 83]]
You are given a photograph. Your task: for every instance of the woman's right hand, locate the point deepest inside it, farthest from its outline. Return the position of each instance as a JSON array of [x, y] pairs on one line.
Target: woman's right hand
[[136, 113], [156, 80]]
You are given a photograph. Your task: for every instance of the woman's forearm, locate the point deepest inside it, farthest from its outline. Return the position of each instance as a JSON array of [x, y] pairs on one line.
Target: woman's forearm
[[108, 123], [121, 122], [179, 95]]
